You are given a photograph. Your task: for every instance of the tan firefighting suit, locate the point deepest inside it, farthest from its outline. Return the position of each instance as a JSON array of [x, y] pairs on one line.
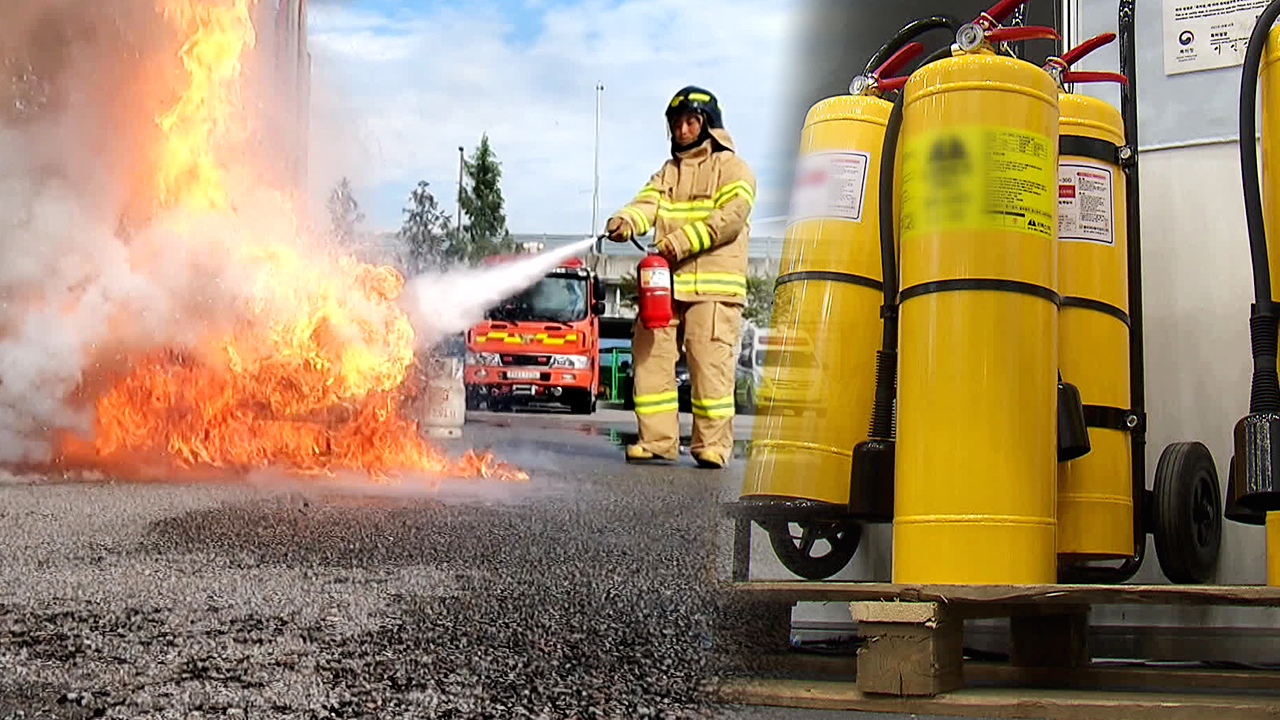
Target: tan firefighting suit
[[699, 201]]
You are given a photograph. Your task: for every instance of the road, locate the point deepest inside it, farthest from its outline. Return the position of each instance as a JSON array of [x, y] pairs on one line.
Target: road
[[581, 593]]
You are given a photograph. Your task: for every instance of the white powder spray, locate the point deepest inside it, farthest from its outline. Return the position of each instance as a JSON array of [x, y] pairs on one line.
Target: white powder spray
[[443, 304]]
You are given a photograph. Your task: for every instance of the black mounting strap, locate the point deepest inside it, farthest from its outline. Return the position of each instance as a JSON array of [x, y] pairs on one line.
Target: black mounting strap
[[1098, 305], [839, 277], [1106, 417], [1013, 286], [1093, 148]]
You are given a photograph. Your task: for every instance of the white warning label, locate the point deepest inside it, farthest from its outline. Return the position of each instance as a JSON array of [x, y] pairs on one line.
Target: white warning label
[[1085, 209], [829, 185]]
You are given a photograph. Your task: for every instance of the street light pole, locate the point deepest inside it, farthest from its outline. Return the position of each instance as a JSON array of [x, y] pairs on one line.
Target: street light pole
[[460, 165], [595, 194]]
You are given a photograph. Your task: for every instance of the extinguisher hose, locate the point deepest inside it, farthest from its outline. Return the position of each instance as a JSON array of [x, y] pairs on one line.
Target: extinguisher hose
[[1264, 394], [882, 413], [909, 32]]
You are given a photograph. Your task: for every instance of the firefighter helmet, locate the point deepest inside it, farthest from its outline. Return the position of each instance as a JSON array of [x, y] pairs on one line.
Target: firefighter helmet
[[697, 100]]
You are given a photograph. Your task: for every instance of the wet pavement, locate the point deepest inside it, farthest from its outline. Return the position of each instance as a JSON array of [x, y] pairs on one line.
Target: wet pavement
[[582, 593]]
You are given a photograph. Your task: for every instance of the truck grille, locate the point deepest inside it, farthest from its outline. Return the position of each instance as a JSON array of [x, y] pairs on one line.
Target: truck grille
[[526, 360]]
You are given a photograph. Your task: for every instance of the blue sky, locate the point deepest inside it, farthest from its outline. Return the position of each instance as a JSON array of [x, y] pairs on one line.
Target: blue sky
[[398, 85]]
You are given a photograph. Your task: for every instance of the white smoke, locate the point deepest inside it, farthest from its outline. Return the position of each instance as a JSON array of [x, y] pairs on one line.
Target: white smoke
[[443, 304]]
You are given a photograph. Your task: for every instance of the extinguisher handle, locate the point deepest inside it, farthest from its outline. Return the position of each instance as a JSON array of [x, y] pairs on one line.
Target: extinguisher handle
[[1074, 55], [1027, 32], [896, 61], [891, 84], [1075, 76], [999, 12]]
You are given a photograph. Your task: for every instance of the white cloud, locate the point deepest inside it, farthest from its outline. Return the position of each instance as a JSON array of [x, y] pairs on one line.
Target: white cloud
[[394, 97]]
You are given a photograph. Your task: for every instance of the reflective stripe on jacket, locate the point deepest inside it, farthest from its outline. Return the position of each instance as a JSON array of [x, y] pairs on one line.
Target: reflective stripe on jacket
[[699, 201]]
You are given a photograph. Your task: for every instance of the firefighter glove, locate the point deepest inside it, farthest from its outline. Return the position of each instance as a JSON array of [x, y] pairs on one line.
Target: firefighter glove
[[618, 230], [668, 248]]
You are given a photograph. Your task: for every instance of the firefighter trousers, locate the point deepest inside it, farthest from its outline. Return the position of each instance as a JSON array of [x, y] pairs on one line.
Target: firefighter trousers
[[708, 331]]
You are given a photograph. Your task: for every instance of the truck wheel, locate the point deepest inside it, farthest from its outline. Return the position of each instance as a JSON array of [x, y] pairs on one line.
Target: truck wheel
[[583, 403]]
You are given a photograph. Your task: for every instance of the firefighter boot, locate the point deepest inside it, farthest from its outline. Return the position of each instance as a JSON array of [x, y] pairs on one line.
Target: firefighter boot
[[711, 332], [654, 353]]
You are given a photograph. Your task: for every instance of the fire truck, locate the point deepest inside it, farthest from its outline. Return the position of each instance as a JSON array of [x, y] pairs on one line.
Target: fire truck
[[540, 345]]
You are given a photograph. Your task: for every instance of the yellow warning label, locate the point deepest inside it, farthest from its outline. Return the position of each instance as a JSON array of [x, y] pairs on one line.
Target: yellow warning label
[[979, 178]]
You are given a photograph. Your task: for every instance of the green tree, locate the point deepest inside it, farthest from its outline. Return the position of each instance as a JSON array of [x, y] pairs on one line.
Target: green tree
[[430, 243], [630, 290], [486, 231], [759, 299], [344, 213]]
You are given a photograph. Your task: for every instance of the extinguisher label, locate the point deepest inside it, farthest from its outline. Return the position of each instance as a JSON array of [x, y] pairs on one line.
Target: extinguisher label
[[979, 178], [829, 185], [655, 277], [1085, 208]]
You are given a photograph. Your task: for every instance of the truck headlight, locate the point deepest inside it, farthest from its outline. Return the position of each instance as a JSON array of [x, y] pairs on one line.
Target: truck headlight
[[578, 362], [484, 358]]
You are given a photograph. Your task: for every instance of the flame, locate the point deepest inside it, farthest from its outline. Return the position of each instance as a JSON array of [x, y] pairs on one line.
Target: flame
[[316, 376]]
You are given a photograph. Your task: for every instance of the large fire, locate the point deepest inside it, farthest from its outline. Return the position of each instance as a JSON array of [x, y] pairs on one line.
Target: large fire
[[315, 376]]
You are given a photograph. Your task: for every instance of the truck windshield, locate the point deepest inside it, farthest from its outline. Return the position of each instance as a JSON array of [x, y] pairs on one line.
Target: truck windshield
[[786, 359], [551, 299]]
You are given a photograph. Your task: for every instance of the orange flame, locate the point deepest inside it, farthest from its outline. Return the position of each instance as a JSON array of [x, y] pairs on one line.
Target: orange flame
[[315, 379]]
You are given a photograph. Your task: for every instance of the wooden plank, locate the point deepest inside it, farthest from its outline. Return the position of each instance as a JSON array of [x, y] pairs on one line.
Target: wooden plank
[[799, 591], [911, 648], [1105, 676], [1003, 703]]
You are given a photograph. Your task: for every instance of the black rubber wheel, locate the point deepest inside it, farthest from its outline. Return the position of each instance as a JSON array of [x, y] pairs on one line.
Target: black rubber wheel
[[1187, 513], [796, 552], [582, 403]]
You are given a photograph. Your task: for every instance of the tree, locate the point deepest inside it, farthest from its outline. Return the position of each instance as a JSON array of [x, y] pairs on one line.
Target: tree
[[630, 290], [344, 213], [481, 199], [759, 299], [426, 234]]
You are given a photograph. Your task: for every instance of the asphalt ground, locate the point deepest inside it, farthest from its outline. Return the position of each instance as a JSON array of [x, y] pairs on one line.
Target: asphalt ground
[[582, 593]]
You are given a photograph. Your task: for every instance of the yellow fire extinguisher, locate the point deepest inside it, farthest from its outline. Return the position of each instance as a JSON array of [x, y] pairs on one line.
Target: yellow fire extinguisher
[[976, 453], [811, 408], [1105, 511]]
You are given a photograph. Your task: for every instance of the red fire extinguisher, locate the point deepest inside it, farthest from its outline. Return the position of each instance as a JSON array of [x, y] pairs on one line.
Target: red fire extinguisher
[[653, 276]]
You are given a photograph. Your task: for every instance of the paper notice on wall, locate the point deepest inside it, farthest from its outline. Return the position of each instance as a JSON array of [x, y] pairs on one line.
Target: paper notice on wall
[[1085, 210], [1207, 34], [829, 185]]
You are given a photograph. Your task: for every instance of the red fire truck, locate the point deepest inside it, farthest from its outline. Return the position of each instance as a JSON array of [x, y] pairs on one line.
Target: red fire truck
[[541, 345]]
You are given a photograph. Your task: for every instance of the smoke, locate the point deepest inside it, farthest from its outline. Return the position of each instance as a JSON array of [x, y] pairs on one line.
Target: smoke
[[443, 304]]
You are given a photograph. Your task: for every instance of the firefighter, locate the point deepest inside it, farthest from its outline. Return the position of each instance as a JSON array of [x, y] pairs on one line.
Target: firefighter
[[697, 206]]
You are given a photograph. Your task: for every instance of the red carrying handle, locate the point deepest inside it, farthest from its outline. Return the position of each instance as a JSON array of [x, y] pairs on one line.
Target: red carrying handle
[[905, 54], [891, 84], [999, 12], [1075, 76], [1075, 54], [1028, 32]]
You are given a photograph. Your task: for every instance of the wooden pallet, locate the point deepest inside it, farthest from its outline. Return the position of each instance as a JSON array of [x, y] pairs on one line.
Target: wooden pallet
[[912, 660]]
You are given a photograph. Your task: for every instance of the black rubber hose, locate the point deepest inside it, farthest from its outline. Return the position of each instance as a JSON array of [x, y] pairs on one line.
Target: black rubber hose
[[909, 32], [1264, 392], [882, 413]]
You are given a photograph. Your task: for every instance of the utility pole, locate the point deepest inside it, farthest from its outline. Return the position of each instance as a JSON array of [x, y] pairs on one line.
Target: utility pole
[[595, 194], [460, 166]]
